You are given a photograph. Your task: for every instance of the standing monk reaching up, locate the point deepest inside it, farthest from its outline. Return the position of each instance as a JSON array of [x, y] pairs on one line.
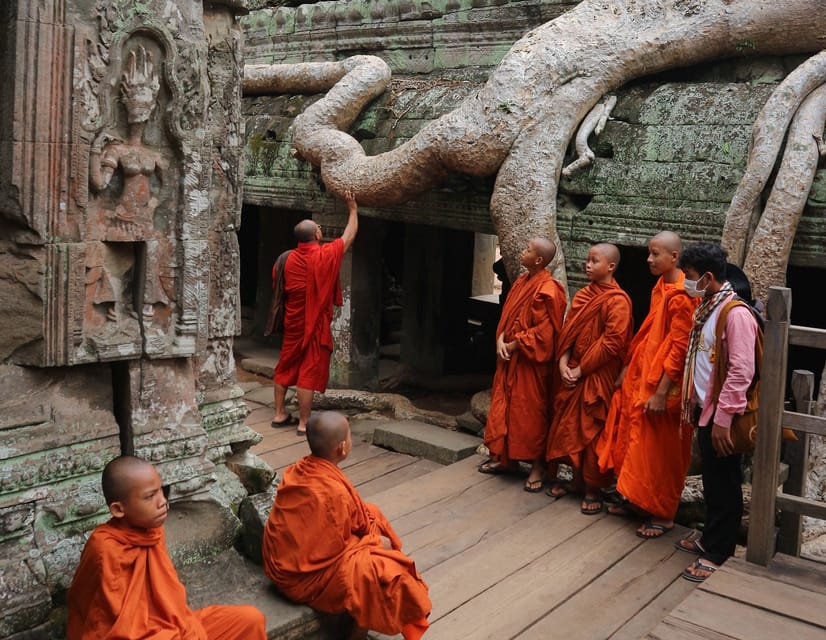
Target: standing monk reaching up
[[643, 441], [126, 586], [311, 287], [325, 547], [519, 416], [591, 351]]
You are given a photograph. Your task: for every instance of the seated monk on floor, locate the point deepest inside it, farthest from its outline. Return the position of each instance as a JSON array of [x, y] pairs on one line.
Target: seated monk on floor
[[125, 585], [325, 547]]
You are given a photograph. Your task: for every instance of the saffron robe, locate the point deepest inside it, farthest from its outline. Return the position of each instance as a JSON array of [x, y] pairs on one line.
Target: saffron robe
[[650, 452], [311, 288], [519, 415], [597, 331], [323, 547], [126, 588]]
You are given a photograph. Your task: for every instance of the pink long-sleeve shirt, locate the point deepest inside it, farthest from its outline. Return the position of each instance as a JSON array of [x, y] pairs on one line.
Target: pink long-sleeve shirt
[[738, 338]]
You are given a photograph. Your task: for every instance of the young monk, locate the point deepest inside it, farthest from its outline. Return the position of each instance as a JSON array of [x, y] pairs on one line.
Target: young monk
[[324, 547], [591, 351], [519, 416], [125, 585], [643, 442]]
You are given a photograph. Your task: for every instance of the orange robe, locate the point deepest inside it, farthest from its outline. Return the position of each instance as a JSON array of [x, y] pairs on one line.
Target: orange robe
[[311, 288], [126, 588], [519, 415], [650, 453], [323, 547], [597, 331]]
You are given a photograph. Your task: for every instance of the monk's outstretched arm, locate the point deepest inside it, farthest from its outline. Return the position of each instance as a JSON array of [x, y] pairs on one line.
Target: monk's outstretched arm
[[352, 227]]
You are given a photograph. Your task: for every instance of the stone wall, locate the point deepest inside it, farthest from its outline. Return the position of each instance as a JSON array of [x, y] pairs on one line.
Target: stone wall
[[120, 191]]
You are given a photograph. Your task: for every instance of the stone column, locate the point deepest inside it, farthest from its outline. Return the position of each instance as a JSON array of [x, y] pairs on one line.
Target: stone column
[[356, 323], [484, 255]]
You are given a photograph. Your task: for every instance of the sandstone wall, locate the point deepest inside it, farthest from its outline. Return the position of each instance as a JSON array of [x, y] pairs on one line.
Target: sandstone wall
[[120, 189]]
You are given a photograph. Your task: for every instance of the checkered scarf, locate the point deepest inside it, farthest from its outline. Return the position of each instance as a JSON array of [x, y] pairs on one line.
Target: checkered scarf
[[701, 314]]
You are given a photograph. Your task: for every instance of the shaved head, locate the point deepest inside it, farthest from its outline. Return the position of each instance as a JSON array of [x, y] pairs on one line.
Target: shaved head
[[610, 251], [325, 431], [668, 240], [119, 477], [545, 249], [305, 231]]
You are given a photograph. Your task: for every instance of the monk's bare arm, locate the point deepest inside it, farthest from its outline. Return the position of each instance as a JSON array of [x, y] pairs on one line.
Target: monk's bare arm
[[352, 227]]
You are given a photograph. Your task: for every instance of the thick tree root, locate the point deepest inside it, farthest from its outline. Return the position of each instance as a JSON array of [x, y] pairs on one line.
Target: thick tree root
[[594, 123], [767, 137], [520, 123], [771, 244]]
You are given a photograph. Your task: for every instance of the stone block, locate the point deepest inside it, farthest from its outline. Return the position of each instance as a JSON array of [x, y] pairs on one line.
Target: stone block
[[259, 366], [253, 512], [425, 440], [216, 530], [255, 474]]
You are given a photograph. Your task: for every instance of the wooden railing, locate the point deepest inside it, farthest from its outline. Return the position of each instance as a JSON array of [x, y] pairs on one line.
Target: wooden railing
[[771, 419]]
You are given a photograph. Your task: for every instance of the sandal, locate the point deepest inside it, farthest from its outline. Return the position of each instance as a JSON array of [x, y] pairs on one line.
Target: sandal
[[559, 489], [622, 509], [698, 565], [533, 486], [591, 506], [690, 543], [494, 468], [289, 421], [658, 529]]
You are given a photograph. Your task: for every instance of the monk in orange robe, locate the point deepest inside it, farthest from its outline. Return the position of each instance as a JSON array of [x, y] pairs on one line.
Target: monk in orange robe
[[126, 586], [643, 442], [325, 547], [519, 416], [592, 347], [311, 287]]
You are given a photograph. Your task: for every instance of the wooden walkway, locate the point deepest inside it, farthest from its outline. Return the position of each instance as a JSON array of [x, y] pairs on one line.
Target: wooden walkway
[[505, 564]]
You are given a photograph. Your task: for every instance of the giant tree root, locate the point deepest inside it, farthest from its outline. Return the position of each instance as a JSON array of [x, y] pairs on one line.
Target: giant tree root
[[520, 123], [771, 244], [767, 137]]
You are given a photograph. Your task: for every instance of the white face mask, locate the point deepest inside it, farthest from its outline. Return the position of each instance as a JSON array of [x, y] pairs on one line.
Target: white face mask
[[691, 288]]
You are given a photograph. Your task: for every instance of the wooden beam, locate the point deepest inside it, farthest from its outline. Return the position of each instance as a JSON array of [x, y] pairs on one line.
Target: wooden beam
[[801, 422], [807, 337], [803, 506], [796, 455], [761, 538]]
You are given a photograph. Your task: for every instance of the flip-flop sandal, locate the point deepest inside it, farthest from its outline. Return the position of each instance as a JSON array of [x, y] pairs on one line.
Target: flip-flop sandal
[[533, 486], [698, 565], [621, 509], [289, 421], [493, 468], [301, 434], [560, 489], [660, 529], [588, 502], [690, 543]]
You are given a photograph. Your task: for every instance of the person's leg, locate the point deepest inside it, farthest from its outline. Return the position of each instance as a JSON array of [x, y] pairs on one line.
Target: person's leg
[[537, 473], [241, 622], [279, 401], [305, 407], [722, 490]]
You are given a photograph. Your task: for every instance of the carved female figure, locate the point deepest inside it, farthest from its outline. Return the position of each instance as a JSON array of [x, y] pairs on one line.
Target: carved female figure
[[133, 214]]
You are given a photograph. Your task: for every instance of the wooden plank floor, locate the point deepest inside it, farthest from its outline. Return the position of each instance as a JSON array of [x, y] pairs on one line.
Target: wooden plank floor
[[505, 564], [742, 600]]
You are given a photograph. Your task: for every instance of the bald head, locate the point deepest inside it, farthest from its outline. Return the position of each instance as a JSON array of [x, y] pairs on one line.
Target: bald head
[[545, 249], [326, 430], [119, 476], [610, 251], [305, 231], [668, 240]]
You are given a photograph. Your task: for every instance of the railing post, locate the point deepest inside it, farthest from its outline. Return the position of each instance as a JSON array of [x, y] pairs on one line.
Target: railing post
[[761, 538], [796, 455]]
